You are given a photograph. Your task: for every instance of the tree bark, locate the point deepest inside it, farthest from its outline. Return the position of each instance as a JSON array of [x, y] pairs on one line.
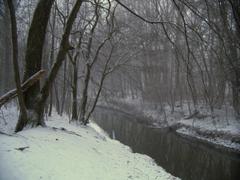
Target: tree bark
[[52, 57], [57, 104], [74, 92], [63, 49], [232, 54], [33, 60], [35, 43], [6, 78], [23, 111], [85, 94], [64, 89], [36, 101], [26, 85]]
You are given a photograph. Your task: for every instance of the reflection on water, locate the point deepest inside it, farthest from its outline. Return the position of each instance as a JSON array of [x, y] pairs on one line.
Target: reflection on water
[[179, 156]]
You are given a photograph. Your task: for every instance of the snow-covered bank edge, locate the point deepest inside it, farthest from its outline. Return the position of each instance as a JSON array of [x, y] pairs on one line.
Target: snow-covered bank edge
[[215, 138], [220, 130], [66, 151]]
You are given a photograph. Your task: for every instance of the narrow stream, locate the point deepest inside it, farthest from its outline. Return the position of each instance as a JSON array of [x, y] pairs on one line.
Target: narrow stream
[[185, 158]]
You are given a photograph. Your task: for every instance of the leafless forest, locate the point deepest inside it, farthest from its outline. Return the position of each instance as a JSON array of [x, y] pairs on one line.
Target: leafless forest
[[80, 79], [89, 52]]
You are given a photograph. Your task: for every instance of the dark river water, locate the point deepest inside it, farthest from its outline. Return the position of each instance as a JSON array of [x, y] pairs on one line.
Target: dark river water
[[184, 158]]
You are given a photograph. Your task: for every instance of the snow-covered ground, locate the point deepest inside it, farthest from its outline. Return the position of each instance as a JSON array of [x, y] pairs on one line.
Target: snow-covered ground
[[66, 151], [220, 127]]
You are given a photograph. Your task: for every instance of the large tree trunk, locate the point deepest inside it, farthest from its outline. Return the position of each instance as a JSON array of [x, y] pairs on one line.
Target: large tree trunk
[[6, 69], [36, 100], [63, 49], [23, 111], [33, 61], [35, 43]]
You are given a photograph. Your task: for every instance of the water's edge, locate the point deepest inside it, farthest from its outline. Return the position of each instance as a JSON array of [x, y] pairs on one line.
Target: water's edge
[[183, 156]]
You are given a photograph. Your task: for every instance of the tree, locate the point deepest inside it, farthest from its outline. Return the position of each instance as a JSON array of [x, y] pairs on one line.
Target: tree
[[33, 57], [23, 110], [36, 99]]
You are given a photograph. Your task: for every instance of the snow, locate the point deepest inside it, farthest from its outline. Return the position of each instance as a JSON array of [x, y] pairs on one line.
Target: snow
[[64, 151], [217, 141], [222, 130], [8, 118]]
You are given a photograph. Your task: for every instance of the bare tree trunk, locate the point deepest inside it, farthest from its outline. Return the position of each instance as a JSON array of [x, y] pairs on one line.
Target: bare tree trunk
[[221, 80], [171, 91], [33, 61], [57, 98], [35, 43], [89, 65], [235, 4], [50, 103], [23, 111], [232, 57], [235, 81], [52, 58], [236, 91], [104, 74], [191, 85], [6, 78], [74, 85], [64, 48], [236, 99], [74, 92], [27, 84], [37, 106], [85, 94], [64, 88], [96, 99]]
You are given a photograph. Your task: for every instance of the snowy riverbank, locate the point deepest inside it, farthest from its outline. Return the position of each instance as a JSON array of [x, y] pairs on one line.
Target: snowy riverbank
[[227, 137], [220, 128], [65, 151]]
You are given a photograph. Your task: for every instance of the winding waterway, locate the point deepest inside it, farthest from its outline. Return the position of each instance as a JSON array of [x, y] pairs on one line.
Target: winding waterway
[[184, 158]]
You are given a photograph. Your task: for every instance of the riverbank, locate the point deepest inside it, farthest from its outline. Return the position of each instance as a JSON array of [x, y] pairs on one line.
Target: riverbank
[[185, 157], [219, 129], [227, 138], [66, 151], [215, 129]]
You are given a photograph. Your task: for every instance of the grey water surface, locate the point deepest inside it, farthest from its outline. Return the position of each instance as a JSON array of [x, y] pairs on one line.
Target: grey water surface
[[183, 157]]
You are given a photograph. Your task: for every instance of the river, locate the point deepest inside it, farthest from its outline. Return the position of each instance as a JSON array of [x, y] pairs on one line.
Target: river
[[183, 157]]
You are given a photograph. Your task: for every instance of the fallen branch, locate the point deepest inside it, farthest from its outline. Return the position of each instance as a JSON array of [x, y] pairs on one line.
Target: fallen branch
[[3, 133], [22, 148], [25, 86]]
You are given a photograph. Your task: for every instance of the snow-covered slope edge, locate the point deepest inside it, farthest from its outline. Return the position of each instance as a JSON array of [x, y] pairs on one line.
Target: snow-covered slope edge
[[219, 129], [69, 152]]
